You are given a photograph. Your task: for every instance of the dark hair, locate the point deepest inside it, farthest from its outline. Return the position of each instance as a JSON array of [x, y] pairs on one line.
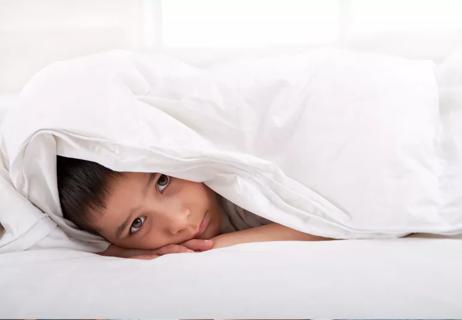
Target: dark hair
[[82, 186]]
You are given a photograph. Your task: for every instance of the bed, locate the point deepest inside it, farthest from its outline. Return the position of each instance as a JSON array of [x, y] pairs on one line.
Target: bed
[[412, 277], [405, 278]]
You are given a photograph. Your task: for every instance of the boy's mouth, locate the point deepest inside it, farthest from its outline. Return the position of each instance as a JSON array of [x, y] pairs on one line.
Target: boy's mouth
[[203, 225]]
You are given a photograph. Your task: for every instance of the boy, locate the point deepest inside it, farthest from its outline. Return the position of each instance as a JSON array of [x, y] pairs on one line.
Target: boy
[[144, 215]]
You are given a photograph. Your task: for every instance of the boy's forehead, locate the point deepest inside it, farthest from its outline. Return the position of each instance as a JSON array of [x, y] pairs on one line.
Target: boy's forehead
[[126, 178], [126, 190]]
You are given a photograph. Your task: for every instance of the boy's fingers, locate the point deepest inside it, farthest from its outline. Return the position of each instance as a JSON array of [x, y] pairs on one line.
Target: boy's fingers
[[115, 251], [198, 244], [145, 256], [172, 248]]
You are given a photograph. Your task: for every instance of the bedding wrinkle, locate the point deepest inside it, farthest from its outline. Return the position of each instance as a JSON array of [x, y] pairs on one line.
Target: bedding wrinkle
[[336, 143]]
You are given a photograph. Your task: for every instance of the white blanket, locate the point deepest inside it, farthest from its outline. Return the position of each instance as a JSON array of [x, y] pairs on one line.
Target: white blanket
[[333, 143]]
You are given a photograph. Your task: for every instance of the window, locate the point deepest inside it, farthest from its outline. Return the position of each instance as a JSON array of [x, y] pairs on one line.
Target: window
[[248, 23]]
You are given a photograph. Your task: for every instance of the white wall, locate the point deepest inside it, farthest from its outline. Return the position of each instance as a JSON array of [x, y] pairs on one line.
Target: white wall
[[34, 33]]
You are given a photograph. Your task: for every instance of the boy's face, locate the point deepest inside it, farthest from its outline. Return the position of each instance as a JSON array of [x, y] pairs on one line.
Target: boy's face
[[148, 211]]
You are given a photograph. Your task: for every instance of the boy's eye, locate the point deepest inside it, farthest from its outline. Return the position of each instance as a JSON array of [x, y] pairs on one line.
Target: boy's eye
[[137, 224], [162, 182]]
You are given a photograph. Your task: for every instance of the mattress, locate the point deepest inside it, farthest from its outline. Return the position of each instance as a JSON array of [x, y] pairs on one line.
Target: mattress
[[349, 279], [413, 277]]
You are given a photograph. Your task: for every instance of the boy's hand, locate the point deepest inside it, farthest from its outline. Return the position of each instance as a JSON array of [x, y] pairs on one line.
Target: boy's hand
[[187, 246], [268, 232], [198, 244], [115, 251]]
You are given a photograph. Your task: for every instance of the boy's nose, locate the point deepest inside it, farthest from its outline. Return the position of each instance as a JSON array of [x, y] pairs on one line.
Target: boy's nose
[[180, 220]]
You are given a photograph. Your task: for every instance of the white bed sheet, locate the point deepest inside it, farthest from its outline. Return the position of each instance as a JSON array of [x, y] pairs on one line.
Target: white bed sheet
[[400, 278]]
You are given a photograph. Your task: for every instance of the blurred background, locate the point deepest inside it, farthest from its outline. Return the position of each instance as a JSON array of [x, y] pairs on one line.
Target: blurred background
[[34, 33]]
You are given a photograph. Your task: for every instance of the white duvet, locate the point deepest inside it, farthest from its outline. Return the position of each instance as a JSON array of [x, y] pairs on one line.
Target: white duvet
[[333, 143]]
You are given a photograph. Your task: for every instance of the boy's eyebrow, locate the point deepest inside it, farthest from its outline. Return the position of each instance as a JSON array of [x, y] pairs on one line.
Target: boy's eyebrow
[[123, 226]]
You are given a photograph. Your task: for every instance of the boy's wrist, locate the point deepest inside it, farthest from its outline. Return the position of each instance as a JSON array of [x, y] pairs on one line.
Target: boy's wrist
[[225, 240], [269, 232]]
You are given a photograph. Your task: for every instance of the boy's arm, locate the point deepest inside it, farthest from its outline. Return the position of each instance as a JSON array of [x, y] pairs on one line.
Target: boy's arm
[[268, 232]]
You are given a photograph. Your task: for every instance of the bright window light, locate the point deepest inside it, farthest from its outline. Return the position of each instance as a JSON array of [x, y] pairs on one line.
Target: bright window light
[[405, 14], [234, 23]]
